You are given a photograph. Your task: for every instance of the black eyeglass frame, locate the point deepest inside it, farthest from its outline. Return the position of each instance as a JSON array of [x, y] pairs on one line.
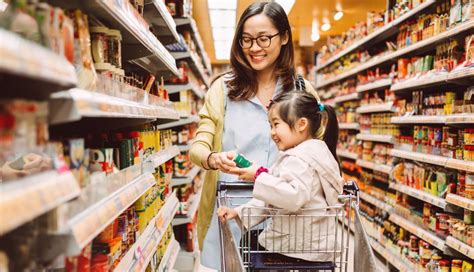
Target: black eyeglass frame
[[270, 37]]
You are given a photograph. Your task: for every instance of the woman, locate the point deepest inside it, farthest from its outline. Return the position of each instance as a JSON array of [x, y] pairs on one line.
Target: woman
[[234, 115]]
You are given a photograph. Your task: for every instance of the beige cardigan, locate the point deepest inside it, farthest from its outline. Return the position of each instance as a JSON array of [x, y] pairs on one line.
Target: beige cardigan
[[209, 138]]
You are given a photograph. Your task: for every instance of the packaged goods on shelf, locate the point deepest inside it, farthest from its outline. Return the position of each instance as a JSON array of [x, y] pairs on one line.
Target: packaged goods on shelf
[[346, 112], [348, 142]]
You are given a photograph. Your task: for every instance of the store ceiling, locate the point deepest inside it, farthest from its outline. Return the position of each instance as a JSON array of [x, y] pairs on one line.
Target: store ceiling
[[301, 15]]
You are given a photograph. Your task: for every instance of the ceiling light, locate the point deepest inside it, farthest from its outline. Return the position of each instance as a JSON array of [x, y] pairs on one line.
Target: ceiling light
[[338, 15], [326, 27], [287, 5], [315, 37]]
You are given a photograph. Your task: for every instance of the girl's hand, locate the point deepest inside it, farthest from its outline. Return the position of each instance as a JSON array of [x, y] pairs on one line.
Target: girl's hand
[[223, 161], [226, 213], [247, 174]]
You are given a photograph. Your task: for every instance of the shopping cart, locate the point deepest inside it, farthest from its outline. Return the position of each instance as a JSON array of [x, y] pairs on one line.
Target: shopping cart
[[257, 250]]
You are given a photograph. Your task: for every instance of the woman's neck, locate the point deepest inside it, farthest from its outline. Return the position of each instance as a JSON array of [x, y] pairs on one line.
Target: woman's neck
[[266, 77]]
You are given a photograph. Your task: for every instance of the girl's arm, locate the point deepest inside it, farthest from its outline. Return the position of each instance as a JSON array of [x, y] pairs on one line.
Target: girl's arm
[[291, 190]]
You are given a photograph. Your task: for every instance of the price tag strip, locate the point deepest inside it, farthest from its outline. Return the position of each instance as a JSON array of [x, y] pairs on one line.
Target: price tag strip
[[374, 201], [376, 167], [462, 165], [374, 85], [460, 201], [385, 107], [460, 247], [426, 197], [188, 179], [347, 154], [390, 257]]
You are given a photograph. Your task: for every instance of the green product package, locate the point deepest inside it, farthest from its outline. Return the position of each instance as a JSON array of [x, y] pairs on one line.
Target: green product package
[[241, 161]]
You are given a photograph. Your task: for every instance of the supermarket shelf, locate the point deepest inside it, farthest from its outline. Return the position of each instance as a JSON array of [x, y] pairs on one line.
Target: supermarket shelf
[[460, 201], [139, 45], [347, 154], [375, 138], [421, 195], [188, 178], [434, 159], [31, 65], [420, 232], [139, 255], [163, 156], [391, 258], [392, 56], [375, 166], [77, 104], [460, 246], [418, 119], [385, 107], [181, 122], [100, 203], [170, 256], [379, 84], [157, 14], [194, 63], [380, 33], [374, 201], [180, 220], [182, 87], [354, 126], [25, 199], [460, 119], [189, 23], [434, 79], [347, 97]]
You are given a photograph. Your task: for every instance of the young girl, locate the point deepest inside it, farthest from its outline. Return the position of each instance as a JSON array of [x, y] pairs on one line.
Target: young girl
[[304, 180]]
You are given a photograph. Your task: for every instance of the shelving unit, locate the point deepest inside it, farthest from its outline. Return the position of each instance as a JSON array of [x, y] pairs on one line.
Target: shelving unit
[[374, 166], [170, 256], [347, 97], [195, 66], [460, 201], [181, 122], [182, 87], [433, 79], [391, 258], [375, 138], [376, 85], [25, 199], [138, 257], [385, 107], [180, 220], [376, 202], [461, 247], [157, 14], [353, 126], [187, 179]]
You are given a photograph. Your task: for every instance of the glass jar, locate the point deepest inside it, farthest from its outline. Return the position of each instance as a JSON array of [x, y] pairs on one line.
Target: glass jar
[[99, 44], [456, 265], [115, 47]]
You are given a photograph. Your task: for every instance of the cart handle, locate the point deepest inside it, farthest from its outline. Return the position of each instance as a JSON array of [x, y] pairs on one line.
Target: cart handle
[[351, 187], [237, 185]]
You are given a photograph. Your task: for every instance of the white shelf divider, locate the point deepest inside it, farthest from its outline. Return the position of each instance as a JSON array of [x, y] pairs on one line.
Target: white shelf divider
[[187, 179], [420, 232], [181, 122], [375, 166], [347, 154], [347, 97], [180, 220], [460, 247], [432, 79], [460, 201], [139, 255], [164, 155], [375, 138], [25, 199], [353, 126], [419, 119], [376, 202], [434, 159], [87, 104], [385, 107], [379, 84], [364, 41], [170, 256], [421, 195]]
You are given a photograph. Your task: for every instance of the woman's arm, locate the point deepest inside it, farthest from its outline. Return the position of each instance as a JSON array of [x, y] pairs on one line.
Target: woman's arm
[[291, 190]]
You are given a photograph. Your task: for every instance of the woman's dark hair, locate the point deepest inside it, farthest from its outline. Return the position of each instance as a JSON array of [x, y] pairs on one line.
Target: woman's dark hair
[[243, 84], [323, 124]]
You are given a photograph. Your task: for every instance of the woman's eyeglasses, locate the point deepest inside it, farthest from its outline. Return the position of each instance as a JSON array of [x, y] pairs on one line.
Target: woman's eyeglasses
[[264, 41]]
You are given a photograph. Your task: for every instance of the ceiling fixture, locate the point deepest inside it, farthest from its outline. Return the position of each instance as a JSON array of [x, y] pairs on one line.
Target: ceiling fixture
[[287, 5], [338, 15], [326, 27], [315, 31], [222, 14]]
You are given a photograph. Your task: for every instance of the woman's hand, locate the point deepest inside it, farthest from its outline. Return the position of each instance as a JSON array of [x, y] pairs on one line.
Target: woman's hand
[[223, 161], [226, 213], [247, 174]]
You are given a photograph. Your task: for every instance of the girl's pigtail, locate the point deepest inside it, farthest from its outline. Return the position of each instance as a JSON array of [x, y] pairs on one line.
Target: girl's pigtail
[[329, 129]]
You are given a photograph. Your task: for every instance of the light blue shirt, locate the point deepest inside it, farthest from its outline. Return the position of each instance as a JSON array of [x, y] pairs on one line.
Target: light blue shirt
[[247, 130]]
